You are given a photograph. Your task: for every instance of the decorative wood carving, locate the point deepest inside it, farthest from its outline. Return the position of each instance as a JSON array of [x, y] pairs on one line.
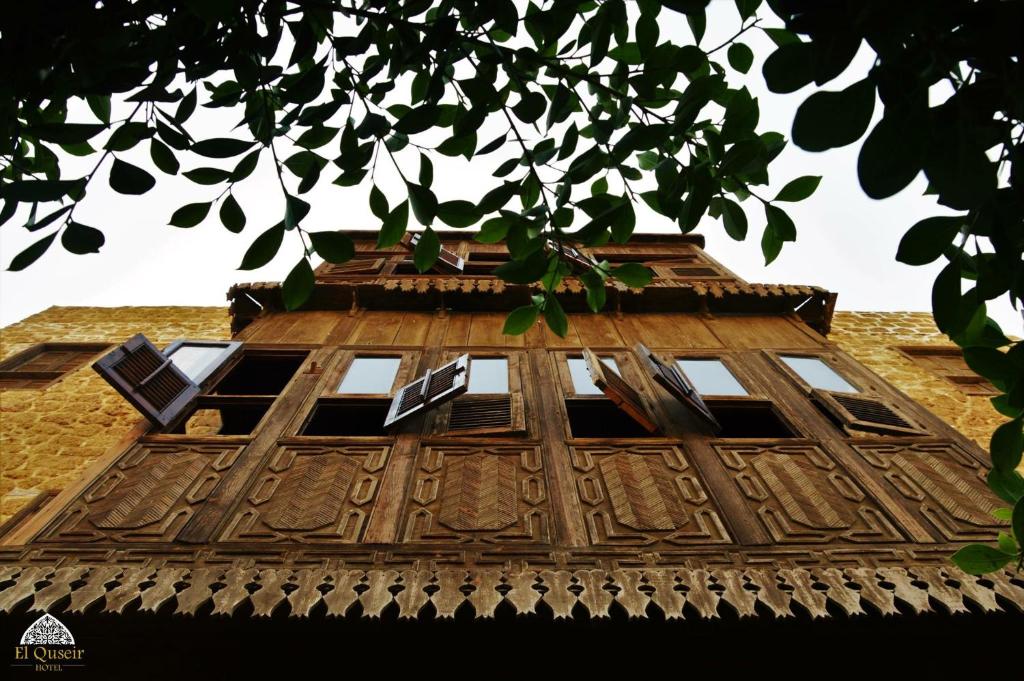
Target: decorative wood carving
[[946, 485], [310, 494], [801, 495], [643, 495], [489, 494], [147, 496]]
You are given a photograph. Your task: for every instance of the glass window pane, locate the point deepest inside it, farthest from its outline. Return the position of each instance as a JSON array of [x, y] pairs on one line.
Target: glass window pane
[[581, 383], [193, 359], [488, 375], [819, 375], [370, 376], [711, 377]]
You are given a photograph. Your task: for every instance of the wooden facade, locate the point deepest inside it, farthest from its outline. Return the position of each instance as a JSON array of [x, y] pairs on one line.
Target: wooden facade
[[798, 481]]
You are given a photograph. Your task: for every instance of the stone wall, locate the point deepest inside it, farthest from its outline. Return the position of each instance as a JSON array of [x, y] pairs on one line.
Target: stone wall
[[48, 437]]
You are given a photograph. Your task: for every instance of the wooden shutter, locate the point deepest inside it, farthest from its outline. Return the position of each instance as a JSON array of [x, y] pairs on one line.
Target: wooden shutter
[[571, 254], [859, 412], [618, 391], [447, 261], [354, 266], [147, 379], [429, 391], [487, 415], [675, 381]]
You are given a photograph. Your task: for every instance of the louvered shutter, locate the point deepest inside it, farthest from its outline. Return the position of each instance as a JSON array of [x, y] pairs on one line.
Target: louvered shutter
[[618, 391], [571, 254], [447, 261], [147, 379], [859, 412], [487, 415], [352, 267], [430, 390], [675, 381]]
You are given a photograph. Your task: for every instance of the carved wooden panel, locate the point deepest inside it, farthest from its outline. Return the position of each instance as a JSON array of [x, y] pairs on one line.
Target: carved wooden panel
[[311, 494], [642, 495], [946, 485], [147, 496], [801, 495], [487, 494]]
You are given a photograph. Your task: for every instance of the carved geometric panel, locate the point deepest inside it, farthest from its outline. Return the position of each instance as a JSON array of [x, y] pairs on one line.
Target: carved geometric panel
[[946, 485], [478, 494], [643, 495], [147, 496], [310, 494], [801, 495]]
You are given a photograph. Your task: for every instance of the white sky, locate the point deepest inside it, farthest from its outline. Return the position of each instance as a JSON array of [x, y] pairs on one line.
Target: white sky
[[846, 242]]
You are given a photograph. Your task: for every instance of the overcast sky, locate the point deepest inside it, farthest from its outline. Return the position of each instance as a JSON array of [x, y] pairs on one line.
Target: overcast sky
[[846, 242]]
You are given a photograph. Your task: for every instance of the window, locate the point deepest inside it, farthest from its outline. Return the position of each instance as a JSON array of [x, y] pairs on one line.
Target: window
[[199, 359], [488, 407], [447, 261], [711, 377], [355, 267], [42, 364], [370, 376], [603, 403], [948, 362], [817, 374], [429, 391], [850, 408]]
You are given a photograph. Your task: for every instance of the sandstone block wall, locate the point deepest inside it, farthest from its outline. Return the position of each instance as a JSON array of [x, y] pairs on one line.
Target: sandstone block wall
[[48, 437]]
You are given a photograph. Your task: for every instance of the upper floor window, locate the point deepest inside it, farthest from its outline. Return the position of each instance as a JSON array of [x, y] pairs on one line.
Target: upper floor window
[[711, 377], [817, 374], [370, 376], [948, 362], [488, 375], [582, 382], [45, 363]]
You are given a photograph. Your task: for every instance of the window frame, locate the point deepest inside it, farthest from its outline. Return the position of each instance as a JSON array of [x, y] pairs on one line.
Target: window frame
[[829, 359], [9, 366], [229, 350], [516, 364], [968, 382]]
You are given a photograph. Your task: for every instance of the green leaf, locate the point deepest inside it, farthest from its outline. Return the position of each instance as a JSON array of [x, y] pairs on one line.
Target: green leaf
[[520, 320], [127, 136], [126, 178], [335, 247], [378, 203], [1006, 543], [190, 214], [525, 271], [423, 202], [48, 220], [221, 147], [66, 133], [555, 317], [734, 219], [1006, 445], [890, 157], [426, 171], [633, 274], [231, 215], [264, 248], [186, 107], [246, 166], [81, 239], [746, 8], [207, 176], [990, 363], [418, 120], [1017, 522], [1003, 514], [799, 189], [458, 213], [530, 107], [494, 230], [780, 221], [741, 57], [295, 209], [427, 250], [100, 106], [978, 559], [596, 293], [298, 285], [928, 239], [771, 244], [741, 116], [790, 67], [163, 157], [31, 254], [394, 226], [946, 296], [1009, 485], [316, 137], [37, 190], [827, 120]]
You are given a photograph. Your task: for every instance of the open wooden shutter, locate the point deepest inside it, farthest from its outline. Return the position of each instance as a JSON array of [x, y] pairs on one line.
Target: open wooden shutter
[[487, 415], [147, 379], [571, 254], [618, 391], [353, 266], [431, 390], [859, 412], [674, 380], [447, 261]]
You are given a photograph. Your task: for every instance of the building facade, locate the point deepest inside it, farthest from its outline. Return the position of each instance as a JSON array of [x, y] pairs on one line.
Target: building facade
[[704, 444]]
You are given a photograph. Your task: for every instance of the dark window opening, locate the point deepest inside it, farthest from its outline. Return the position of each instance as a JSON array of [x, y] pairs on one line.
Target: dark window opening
[[347, 417], [211, 418], [601, 418], [484, 267], [749, 420], [260, 374]]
